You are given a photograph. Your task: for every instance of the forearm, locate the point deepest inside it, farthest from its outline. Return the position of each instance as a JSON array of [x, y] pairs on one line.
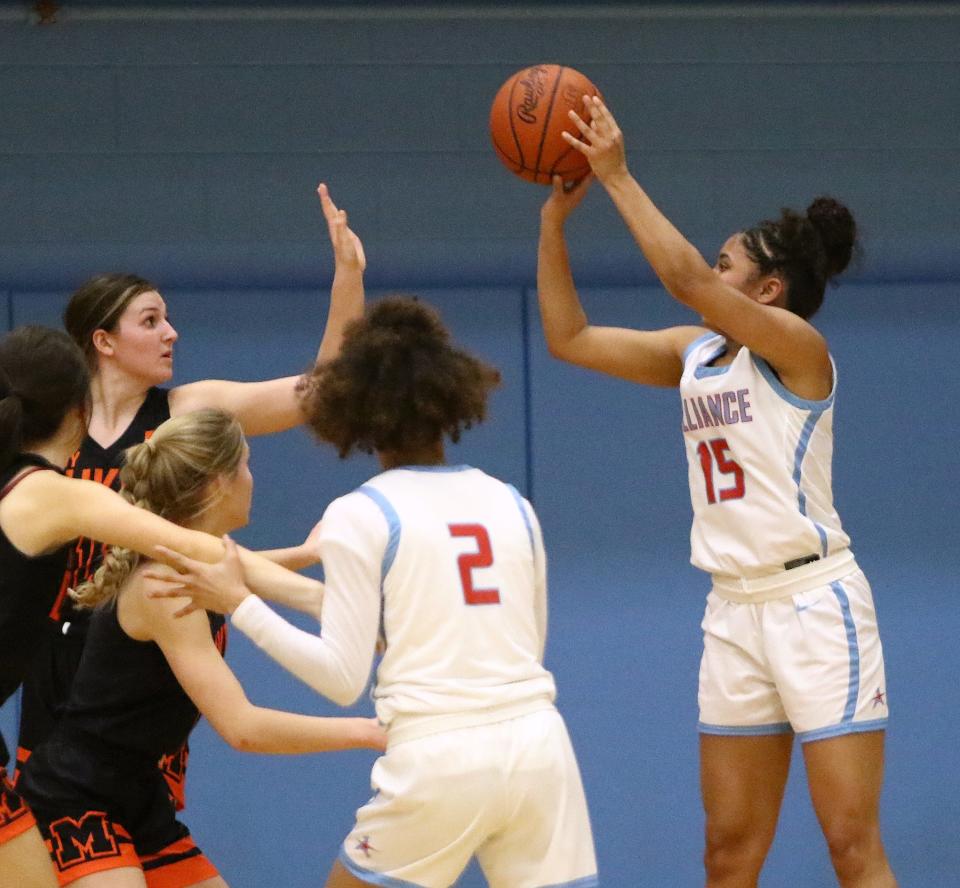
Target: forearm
[[561, 313], [675, 260], [338, 672], [271, 731], [346, 304], [268, 579], [291, 558]]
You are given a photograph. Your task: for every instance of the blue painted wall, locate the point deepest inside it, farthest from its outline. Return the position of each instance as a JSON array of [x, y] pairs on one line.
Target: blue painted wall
[[186, 146]]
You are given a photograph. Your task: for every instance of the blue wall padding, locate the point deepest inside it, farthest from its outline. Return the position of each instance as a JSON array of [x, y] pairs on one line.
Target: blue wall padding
[[189, 149]]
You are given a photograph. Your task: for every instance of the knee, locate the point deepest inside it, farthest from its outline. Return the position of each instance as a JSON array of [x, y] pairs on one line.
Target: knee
[[735, 849], [854, 845]]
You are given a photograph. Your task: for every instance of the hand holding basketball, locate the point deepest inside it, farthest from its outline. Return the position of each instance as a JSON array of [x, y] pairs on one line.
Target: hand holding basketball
[[600, 141], [564, 198]]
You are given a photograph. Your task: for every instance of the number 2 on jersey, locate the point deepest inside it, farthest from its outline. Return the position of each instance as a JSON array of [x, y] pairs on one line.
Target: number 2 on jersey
[[468, 561], [715, 451]]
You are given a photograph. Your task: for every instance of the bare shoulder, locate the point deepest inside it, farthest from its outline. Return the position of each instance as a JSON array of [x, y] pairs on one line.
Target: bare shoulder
[[682, 337], [35, 514], [155, 619], [196, 396]]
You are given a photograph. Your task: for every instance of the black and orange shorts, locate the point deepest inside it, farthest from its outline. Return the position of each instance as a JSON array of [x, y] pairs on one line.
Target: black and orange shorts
[[93, 843], [15, 817]]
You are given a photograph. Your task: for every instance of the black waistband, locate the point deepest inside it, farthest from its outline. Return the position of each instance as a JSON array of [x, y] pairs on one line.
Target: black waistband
[[799, 562]]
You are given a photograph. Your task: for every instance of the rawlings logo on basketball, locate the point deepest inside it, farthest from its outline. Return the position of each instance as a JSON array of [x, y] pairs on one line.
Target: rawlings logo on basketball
[[533, 89], [528, 118]]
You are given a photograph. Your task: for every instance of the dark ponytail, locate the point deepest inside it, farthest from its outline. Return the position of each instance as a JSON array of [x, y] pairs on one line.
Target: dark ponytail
[[805, 250], [43, 375]]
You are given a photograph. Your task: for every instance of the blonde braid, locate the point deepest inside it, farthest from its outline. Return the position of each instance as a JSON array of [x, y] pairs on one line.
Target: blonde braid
[[118, 562], [170, 475]]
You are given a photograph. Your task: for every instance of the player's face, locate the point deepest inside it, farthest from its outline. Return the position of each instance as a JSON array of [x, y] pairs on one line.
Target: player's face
[[737, 269], [142, 342], [237, 495]]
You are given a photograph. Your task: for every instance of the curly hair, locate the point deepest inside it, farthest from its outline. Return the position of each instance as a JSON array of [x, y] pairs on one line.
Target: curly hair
[[398, 385], [806, 250], [169, 475]]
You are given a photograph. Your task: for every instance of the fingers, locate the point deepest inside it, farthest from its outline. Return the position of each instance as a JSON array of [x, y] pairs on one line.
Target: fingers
[[581, 124], [172, 592], [326, 202], [170, 557], [172, 580], [186, 609]]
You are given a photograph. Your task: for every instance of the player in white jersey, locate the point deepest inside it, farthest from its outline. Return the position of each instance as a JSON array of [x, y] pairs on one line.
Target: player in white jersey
[[790, 636], [445, 565]]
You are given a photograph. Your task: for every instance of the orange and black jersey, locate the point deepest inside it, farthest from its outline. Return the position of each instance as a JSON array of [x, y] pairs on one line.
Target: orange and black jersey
[[27, 589], [102, 464], [125, 697]]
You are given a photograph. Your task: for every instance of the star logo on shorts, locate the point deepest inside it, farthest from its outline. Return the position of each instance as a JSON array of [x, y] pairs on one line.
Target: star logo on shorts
[[365, 846], [878, 698]]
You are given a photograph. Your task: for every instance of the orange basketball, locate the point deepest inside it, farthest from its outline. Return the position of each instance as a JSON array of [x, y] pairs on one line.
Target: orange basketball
[[527, 117]]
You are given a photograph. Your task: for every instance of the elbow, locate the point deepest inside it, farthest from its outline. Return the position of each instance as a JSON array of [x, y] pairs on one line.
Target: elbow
[[556, 349], [346, 694], [240, 732]]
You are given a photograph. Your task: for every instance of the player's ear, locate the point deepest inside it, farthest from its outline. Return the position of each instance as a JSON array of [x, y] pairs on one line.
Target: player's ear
[[102, 342], [771, 290]]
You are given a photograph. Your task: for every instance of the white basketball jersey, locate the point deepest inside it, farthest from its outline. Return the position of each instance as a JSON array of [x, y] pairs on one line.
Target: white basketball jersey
[[759, 465], [463, 580]]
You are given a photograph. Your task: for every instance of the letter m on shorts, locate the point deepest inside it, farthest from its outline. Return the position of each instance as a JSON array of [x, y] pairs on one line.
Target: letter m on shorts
[[79, 841]]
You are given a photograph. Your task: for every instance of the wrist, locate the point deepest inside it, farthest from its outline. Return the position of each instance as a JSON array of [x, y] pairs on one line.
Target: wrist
[[617, 178], [237, 595]]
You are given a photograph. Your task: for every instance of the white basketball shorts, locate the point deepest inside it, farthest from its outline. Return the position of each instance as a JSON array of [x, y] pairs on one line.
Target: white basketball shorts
[[808, 662], [508, 793]]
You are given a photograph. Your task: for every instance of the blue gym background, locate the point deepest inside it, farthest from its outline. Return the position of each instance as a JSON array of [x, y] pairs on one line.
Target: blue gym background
[[184, 142]]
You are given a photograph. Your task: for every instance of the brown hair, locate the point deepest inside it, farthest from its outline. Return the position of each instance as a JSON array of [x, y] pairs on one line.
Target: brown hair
[[97, 305], [398, 384], [806, 250], [43, 375]]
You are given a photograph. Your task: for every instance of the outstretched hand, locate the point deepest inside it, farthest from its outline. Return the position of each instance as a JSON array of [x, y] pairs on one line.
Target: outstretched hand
[[216, 587], [347, 247], [600, 140]]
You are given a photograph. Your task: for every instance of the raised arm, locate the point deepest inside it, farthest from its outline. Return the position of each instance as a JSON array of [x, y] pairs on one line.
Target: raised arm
[[272, 405], [791, 345], [648, 357], [214, 689]]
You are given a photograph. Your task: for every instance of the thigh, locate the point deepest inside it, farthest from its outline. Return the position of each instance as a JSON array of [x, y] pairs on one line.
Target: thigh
[[341, 877], [125, 877], [544, 836], [180, 864], [430, 811], [845, 776], [24, 862], [742, 780], [825, 652], [737, 692]]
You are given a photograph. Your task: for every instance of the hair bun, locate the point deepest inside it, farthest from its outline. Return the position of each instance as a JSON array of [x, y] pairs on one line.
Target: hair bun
[[837, 229]]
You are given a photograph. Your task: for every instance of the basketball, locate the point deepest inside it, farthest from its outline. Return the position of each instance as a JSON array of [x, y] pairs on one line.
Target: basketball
[[527, 117]]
